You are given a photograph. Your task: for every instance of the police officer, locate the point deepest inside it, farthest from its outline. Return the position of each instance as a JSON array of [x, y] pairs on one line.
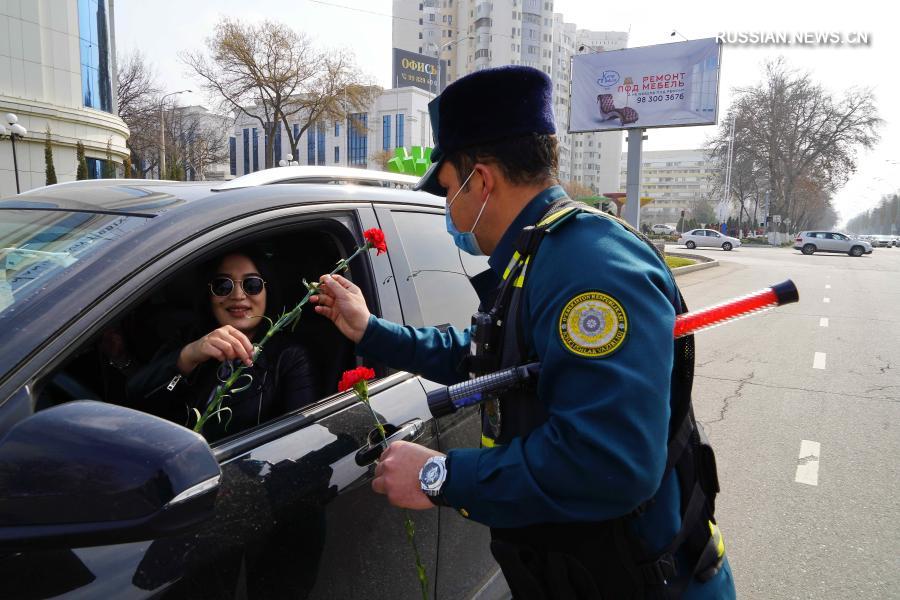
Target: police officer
[[593, 482]]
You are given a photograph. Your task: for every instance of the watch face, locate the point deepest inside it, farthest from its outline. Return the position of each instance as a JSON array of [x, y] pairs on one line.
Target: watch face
[[431, 473]]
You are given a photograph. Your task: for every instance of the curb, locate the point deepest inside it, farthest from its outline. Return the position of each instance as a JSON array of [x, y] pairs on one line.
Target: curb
[[703, 262]]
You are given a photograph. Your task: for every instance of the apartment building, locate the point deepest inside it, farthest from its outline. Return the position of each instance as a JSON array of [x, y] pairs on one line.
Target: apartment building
[[676, 180], [468, 35]]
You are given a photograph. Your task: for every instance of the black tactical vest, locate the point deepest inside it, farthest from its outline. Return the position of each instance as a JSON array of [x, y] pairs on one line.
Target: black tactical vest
[[604, 559]]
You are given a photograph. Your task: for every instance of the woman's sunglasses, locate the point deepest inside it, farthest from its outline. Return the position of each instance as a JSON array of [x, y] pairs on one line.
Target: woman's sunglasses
[[223, 286]]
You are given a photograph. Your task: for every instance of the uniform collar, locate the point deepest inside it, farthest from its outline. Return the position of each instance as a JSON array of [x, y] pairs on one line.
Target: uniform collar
[[528, 216]]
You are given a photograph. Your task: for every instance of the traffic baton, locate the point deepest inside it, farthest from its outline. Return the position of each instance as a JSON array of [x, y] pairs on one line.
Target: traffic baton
[[446, 400]]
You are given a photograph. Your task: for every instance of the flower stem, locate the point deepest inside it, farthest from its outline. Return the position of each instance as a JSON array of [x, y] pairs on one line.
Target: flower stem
[[287, 318], [420, 568]]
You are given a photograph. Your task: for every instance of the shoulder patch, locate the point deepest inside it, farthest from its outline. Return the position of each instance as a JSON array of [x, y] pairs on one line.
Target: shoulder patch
[[593, 325]]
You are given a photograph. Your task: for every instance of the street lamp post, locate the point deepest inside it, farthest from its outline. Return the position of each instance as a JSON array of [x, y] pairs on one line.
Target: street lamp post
[[162, 133], [442, 47], [14, 130], [289, 162]]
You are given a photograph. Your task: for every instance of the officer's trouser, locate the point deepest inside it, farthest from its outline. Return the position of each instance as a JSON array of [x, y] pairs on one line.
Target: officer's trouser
[[582, 561]]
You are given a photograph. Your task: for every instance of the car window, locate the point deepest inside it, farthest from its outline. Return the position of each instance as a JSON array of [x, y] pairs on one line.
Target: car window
[[37, 247], [133, 361], [438, 276]]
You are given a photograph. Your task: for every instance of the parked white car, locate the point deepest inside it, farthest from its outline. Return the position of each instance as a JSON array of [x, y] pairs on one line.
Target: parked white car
[[809, 242], [700, 238], [662, 229]]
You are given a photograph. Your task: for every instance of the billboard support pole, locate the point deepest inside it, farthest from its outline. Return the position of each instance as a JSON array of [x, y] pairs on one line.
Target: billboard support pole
[[633, 180]]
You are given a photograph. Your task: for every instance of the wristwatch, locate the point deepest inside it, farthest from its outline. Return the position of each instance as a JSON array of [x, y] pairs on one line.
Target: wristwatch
[[432, 478]]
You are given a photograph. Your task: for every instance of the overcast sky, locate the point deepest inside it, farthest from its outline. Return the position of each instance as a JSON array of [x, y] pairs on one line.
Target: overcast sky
[[160, 28]]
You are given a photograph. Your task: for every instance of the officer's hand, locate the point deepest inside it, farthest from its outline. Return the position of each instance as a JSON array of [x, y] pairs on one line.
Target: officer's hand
[[343, 303], [397, 475]]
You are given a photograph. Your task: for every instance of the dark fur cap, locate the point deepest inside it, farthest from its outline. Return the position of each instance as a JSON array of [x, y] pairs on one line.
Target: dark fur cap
[[488, 106]]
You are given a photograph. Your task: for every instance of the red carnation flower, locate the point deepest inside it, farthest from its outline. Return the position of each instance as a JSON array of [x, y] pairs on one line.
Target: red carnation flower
[[354, 376], [375, 239]]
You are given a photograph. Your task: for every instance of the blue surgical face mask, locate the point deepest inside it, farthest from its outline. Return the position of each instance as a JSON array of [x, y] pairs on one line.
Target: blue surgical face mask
[[465, 241]]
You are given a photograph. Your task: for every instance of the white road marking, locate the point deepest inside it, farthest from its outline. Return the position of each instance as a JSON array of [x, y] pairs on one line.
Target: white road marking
[[823, 322], [826, 300], [808, 469], [819, 361], [827, 286]]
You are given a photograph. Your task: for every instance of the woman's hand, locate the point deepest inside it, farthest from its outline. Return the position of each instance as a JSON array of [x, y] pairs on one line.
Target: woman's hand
[[224, 343]]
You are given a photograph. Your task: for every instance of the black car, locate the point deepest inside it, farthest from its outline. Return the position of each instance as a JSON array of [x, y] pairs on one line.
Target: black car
[[102, 501]]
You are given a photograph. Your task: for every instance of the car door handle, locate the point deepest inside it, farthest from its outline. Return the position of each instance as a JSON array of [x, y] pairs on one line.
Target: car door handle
[[408, 432]]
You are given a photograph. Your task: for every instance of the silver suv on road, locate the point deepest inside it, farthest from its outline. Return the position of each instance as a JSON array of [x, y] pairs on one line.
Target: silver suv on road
[[809, 242]]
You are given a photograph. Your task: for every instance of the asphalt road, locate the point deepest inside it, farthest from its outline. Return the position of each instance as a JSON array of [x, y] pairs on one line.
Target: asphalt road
[[802, 405]]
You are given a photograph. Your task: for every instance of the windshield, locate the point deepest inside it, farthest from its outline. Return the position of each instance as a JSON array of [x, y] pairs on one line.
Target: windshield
[[38, 247]]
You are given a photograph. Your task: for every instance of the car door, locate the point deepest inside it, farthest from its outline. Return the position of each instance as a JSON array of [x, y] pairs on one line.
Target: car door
[[295, 515], [432, 279], [841, 242]]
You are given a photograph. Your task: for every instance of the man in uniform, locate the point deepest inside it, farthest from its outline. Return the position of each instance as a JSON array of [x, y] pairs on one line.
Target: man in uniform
[[582, 478]]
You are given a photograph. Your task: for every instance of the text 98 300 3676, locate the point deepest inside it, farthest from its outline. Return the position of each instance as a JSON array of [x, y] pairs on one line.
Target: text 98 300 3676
[[660, 97]]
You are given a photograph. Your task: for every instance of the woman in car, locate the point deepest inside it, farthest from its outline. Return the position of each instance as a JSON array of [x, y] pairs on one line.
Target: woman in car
[[183, 377]]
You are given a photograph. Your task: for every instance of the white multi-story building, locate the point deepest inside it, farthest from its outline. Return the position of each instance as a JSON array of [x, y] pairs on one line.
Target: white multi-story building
[[58, 73], [397, 118], [468, 35], [204, 142], [676, 180]]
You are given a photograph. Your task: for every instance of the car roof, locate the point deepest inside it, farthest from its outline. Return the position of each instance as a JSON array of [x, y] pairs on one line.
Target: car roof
[[152, 197], [317, 174]]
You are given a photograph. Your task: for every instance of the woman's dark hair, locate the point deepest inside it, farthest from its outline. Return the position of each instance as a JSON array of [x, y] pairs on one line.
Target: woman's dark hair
[[525, 160]]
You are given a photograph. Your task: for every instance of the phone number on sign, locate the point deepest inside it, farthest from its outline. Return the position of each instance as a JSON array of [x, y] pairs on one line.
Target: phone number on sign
[[660, 98]]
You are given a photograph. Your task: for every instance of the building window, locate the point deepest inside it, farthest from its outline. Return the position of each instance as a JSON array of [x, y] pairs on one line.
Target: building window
[[337, 128], [399, 130], [232, 155], [246, 151], [296, 152], [320, 144], [386, 132], [337, 155], [93, 39], [357, 139], [95, 168], [255, 150], [311, 144]]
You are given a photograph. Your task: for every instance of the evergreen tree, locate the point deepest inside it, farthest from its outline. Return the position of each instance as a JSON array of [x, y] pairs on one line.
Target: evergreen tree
[[82, 171], [109, 167], [126, 167], [49, 169]]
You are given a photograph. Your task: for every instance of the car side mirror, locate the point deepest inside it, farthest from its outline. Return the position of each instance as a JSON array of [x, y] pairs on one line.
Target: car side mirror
[[88, 473]]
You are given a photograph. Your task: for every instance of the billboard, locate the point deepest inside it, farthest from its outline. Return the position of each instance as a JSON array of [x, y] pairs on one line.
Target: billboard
[[415, 70], [668, 85]]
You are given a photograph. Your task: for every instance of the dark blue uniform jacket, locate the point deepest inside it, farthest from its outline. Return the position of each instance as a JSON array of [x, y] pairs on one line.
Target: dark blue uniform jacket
[[603, 450]]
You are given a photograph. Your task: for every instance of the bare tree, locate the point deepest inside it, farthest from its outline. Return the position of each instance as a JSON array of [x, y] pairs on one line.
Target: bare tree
[[139, 107], [382, 157], [197, 139], [271, 73], [576, 190], [798, 135]]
